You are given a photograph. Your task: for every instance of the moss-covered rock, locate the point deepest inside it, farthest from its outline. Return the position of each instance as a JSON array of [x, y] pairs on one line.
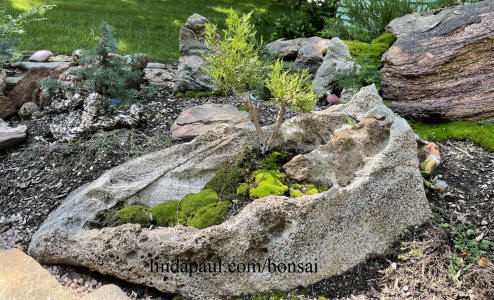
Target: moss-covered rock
[[299, 190], [166, 214], [268, 183], [275, 160], [136, 214], [209, 215], [228, 178], [373, 50], [193, 202]]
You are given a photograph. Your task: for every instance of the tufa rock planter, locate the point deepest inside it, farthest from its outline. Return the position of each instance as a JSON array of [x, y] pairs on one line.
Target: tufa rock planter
[[334, 230]]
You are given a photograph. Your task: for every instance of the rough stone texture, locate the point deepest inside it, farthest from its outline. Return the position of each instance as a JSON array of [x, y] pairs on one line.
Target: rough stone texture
[[203, 118], [343, 156], [76, 116], [305, 53], [442, 64], [163, 77], [21, 277], [335, 61], [337, 228], [27, 110], [24, 91], [191, 76], [41, 56], [11, 136]]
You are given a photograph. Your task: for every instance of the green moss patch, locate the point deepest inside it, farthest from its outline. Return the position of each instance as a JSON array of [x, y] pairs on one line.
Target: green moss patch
[[136, 214], [268, 183], [193, 202], [209, 215], [372, 50], [231, 174], [275, 160], [166, 214], [481, 133]]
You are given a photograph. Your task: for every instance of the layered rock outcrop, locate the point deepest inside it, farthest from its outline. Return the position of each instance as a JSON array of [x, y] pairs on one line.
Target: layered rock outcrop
[[334, 230], [441, 66]]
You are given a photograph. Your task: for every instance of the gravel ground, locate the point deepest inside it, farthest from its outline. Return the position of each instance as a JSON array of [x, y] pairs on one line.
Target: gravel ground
[[38, 174]]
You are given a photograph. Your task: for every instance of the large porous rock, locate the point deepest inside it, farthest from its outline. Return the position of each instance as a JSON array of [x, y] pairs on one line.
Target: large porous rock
[[301, 53], [337, 60], [336, 229], [10, 136], [442, 64], [21, 277], [200, 119], [191, 75]]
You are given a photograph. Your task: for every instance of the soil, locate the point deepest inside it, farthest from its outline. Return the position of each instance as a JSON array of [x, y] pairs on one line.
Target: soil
[[38, 174]]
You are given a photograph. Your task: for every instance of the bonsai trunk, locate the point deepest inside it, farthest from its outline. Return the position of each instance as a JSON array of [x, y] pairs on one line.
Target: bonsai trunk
[[252, 111], [277, 126]]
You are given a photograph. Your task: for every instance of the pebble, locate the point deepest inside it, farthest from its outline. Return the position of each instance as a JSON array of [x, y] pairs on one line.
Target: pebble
[[484, 223]]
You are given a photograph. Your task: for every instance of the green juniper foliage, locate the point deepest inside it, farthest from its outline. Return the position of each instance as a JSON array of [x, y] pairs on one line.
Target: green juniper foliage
[[234, 60], [11, 27], [292, 90], [106, 73], [235, 66]]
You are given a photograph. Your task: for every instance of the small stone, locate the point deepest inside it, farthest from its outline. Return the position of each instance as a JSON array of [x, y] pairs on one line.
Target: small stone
[[484, 223], [41, 56]]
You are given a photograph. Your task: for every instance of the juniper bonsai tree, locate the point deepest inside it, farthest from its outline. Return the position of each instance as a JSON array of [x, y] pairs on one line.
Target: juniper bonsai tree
[[289, 90], [234, 61], [234, 64]]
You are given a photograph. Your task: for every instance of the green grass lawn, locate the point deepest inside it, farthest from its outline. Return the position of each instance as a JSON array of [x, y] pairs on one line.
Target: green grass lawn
[[144, 26]]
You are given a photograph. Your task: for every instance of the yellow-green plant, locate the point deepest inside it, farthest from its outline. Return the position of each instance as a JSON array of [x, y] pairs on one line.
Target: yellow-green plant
[[289, 90], [233, 61], [234, 64]]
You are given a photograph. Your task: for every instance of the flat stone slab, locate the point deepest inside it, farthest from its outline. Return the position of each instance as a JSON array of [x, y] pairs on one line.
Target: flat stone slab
[[156, 66], [21, 277], [10, 136], [203, 118], [14, 80], [29, 65]]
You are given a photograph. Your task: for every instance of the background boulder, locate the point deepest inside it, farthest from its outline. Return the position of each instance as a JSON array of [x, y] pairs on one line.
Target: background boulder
[[442, 64], [191, 76]]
